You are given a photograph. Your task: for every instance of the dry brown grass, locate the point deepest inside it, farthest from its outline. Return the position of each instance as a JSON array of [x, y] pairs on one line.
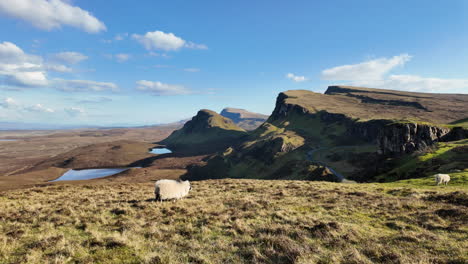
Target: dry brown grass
[[234, 221]]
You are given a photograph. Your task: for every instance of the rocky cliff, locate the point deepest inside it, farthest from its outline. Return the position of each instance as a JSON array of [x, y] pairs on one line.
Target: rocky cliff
[[345, 128], [403, 138]]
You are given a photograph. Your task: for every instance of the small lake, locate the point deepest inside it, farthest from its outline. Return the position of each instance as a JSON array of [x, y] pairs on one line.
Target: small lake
[[160, 151], [8, 140], [88, 174]]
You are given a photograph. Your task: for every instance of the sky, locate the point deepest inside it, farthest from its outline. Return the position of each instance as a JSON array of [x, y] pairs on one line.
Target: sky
[[132, 63]]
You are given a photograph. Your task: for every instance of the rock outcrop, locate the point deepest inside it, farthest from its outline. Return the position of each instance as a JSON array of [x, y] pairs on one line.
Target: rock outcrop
[[403, 138], [351, 124]]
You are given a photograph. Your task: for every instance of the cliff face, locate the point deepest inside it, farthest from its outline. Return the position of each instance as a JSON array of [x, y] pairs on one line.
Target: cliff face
[[347, 127], [405, 138]]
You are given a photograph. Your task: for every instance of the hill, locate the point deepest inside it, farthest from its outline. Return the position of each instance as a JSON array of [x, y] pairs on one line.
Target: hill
[[348, 131], [208, 131], [243, 118], [234, 221]]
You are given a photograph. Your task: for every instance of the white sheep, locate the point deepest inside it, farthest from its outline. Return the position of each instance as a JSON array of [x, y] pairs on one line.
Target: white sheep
[[171, 189], [442, 178]]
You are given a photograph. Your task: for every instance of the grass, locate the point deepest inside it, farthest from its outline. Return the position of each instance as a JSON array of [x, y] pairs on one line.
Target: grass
[[235, 221], [444, 157], [457, 180]]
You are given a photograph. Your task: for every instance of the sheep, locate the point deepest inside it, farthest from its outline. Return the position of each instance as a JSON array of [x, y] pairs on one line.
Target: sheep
[[442, 178], [171, 189]]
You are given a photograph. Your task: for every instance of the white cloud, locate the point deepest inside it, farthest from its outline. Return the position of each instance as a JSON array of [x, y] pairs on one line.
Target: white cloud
[[161, 89], [51, 14], [70, 57], [368, 70], [158, 40], [39, 108], [375, 74], [122, 57], [58, 68], [8, 103], [84, 85], [74, 111], [35, 78], [191, 69], [19, 68], [191, 45], [417, 83], [296, 78]]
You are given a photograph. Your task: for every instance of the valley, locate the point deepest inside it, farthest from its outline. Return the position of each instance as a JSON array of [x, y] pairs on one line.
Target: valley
[[319, 181]]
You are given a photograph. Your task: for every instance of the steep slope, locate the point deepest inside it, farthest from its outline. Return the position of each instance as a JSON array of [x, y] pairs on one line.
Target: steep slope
[[338, 131], [206, 132], [243, 118]]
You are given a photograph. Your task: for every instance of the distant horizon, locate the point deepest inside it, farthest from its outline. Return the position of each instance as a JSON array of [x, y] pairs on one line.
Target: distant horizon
[[156, 63]]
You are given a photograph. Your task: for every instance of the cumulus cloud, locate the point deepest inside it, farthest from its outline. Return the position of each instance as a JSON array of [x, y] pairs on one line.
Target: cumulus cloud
[[8, 103], [35, 78], [161, 89], [375, 73], [70, 57], [368, 70], [296, 78], [25, 70], [84, 86], [51, 14], [74, 111], [159, 40]]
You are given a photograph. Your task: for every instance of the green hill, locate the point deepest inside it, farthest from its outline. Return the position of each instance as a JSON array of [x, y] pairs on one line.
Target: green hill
[[347, 131], [206, 132]]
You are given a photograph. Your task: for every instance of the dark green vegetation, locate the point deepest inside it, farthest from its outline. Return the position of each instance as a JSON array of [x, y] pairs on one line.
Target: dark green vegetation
[[235, 221], [442, 157], [207, 131], [350, 129]]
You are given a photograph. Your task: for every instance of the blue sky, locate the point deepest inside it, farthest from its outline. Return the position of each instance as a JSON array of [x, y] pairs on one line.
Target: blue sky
[[147, 62]]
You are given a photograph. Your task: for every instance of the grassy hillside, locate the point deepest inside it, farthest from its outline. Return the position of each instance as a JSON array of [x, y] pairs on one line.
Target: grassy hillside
[[443, 157], [206, 131], [368, 104], [235, 221]]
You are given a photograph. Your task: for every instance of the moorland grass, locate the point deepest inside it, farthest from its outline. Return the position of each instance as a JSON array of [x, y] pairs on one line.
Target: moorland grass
[[235, 221]]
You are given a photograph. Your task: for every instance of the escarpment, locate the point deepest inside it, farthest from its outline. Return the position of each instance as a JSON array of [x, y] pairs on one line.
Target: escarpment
[[347, 128]]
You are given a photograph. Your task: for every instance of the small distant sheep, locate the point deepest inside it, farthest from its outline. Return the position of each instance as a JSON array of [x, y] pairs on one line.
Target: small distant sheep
[[442, 178], [171, 189]]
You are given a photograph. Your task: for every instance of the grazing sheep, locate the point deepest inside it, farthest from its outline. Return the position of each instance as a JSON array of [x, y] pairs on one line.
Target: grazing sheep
[[171, 189], [442, 178]]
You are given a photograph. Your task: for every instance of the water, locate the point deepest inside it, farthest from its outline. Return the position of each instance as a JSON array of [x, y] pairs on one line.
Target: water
[[160, 151], [88, 174], [8, 139]]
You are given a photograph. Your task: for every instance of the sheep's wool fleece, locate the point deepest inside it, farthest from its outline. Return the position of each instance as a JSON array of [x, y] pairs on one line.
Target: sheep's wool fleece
[[171, 189], [442, 178]]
